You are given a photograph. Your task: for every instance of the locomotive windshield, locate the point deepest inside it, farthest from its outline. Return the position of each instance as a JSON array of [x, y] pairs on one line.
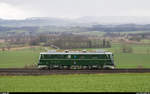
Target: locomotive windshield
[[112, 58]]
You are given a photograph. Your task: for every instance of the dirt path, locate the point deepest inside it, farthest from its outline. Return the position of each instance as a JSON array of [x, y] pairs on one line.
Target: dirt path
[[2, 41], [20, 48]]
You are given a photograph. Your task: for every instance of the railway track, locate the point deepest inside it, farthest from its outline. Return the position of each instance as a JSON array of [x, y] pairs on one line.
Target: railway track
[[24, 71]]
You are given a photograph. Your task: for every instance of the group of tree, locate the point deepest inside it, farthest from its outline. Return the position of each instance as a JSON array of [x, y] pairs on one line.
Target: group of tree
[[80, 41], [64, 40], [126, 48]]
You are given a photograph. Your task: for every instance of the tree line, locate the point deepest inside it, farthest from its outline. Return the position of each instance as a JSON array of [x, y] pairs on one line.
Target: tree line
[[62, 41]]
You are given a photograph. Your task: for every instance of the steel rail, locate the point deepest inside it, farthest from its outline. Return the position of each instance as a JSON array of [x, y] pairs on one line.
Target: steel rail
[[34, 71]]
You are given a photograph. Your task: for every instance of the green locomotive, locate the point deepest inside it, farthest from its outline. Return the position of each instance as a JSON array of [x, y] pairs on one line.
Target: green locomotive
[[76, 60]]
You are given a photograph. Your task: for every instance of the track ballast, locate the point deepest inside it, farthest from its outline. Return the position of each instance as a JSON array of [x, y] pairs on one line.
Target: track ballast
[[34, 71]]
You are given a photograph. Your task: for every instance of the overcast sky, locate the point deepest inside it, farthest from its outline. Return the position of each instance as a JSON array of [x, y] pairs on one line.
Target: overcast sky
[[20, 9]]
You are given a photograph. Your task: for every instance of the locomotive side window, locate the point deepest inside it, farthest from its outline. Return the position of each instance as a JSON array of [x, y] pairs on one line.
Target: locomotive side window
[[95, 57], [82, 57], [103, 56], [47, 56], [59, 56]]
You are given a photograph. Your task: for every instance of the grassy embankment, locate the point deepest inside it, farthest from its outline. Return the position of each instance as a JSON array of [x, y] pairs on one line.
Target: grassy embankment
[[77, 83]]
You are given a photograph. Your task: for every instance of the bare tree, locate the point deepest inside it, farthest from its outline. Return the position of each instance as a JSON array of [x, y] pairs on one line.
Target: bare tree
[[8, 46], [3, 48], [126, 48]]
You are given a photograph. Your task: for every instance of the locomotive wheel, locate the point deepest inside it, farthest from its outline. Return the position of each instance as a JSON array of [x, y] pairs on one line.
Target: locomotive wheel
[[89, 67], [85, 67], [100, 67], [68, 68], [60, 67], [50, 67], [64, 67]]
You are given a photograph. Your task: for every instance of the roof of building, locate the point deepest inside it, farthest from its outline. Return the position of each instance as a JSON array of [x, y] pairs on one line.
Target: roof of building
[[76, 53]]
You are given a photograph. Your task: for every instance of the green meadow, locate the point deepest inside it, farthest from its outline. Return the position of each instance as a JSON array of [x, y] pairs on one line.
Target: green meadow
[[18, 58], [134, 82], [140, 57]]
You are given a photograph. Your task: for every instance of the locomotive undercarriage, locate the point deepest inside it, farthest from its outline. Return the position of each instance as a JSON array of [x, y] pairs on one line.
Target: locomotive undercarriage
[[75, 67]]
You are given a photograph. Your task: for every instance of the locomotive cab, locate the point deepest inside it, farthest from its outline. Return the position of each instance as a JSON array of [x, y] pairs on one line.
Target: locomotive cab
[[76, 60]]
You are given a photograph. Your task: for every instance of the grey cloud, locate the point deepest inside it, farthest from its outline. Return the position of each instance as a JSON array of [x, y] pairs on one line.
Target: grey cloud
[[73, 8]]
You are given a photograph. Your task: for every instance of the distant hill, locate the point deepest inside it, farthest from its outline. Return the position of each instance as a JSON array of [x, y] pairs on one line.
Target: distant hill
[[36, 21], [82, 21], [115, 19], [88, 23]]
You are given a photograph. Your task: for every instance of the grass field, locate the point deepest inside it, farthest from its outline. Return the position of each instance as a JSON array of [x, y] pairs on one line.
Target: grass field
[[29, 56], [18, 58], [77, 83], [132, 60]]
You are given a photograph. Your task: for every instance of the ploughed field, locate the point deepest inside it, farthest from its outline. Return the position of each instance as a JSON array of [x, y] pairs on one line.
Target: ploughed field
[[140, 57], [77, 83]]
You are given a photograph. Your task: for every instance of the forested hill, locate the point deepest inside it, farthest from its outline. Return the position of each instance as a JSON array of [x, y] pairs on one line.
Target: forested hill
[[103, 28], [81, 21], [120, 28], [36, 22], [64, 24]]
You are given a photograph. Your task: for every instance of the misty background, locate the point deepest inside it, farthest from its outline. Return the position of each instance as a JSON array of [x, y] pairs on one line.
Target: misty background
[[78, 11]]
